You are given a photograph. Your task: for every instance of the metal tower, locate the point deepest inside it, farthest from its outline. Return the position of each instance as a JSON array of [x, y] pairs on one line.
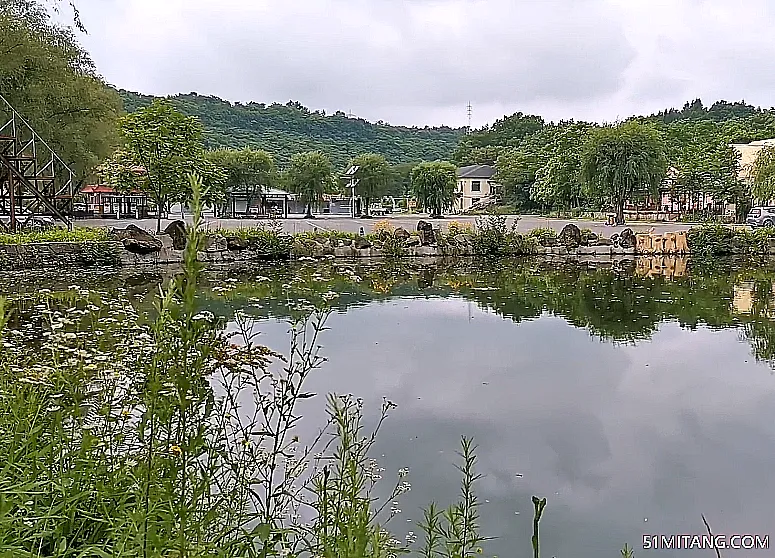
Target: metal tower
[[34, 181]]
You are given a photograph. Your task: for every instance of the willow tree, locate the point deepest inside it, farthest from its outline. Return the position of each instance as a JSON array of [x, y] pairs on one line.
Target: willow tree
[[434, 185], [623, 161], [374, 176], [763, 176], [310, 175]]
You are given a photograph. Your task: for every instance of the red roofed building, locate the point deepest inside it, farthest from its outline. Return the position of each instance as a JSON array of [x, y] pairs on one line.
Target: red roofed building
[[104, 201]]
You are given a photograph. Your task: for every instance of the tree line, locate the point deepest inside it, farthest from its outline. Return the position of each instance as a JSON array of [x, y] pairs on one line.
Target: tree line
[[160, 147], [546, 166]]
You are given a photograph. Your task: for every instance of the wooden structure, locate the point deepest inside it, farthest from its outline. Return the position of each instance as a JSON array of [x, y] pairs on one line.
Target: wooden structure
[[34, 180], [266, 203], [105, 201]]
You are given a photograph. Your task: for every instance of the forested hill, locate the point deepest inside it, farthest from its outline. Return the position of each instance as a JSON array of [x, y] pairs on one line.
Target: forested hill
[[287, 129]]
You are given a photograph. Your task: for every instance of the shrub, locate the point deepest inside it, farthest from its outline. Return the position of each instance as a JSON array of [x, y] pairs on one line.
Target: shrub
[[719, 240], [264, 241], [56, 235], [393, 247], [543, 234], [383, 225], [494, 238], [455, 228]]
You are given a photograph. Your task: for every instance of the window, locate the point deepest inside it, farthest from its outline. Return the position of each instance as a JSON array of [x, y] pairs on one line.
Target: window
[[476, 186]]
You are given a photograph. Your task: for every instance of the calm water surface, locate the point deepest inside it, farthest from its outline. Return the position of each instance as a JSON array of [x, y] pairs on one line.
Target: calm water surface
[[634, 399]]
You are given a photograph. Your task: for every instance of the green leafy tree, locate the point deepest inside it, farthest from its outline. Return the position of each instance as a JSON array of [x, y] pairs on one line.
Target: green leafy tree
[[434, 185], [285, 129], [623, 161], [763, 175], [310, 175], [53, 83], [247, 171], [558, 182], [400, 184], [373, 176], [161, 147]]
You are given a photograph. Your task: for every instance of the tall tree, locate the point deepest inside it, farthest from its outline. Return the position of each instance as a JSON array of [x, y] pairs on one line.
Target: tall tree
[[161, 147], [763, 176], [373, 177], [400, 184], [622, 161], [248, 171], [434, 185], [310, 175], [51, 81]]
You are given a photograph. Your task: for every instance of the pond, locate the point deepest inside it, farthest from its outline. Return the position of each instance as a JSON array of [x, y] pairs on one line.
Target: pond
[[635, 398]]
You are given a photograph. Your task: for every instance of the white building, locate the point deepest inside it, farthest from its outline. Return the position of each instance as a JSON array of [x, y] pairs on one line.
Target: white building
[[474, 185]]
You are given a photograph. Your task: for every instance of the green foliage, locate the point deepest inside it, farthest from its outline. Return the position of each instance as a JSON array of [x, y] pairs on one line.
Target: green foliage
[[53, 83], [161, 147], [56, 235], [763, 175], [434, 185], [310, 176], [543, 234], [456, 531], [393, 247], [624, 161], [285, 130], [247, 171], [400, 184], [374, 176], [507, 131], [493, 238], [719, 240], [271, 244]]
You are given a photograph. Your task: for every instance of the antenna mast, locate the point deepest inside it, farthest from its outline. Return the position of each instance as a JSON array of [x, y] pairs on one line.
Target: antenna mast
[[469, 118]]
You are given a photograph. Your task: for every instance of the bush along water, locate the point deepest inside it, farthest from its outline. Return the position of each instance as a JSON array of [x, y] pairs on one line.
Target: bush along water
[[720, 240], [155, 436]]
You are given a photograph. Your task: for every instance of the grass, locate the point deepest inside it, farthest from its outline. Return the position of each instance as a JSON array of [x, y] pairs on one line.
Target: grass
[[56, 235]]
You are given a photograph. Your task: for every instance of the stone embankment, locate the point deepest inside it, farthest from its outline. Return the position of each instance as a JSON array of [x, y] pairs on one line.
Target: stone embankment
[[133, 246]]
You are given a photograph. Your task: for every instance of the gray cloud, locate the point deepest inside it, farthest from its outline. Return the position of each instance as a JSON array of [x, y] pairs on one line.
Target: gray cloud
[[622, 440], [421, 61]]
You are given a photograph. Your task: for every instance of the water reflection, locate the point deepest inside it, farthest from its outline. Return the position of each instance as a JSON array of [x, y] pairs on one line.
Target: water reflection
[[634, 397]]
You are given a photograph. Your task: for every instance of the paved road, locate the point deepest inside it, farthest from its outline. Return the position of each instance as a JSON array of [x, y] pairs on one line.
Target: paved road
[[348, 224]]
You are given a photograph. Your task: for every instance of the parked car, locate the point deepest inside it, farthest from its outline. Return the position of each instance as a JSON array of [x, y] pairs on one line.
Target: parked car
[[761, 217]]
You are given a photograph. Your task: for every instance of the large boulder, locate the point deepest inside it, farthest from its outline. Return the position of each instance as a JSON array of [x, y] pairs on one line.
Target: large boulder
[[134, 232], [361, 243], [427, 237], [177, 231], [401, 233], [570, 236], [142, 247], [627, 239], [235, 243]]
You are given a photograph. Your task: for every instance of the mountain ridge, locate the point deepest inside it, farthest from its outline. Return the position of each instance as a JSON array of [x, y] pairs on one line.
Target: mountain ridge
[[286, 129]]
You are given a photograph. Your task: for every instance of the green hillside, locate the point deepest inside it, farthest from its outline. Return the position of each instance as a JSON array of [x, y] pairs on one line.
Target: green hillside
[[287, 129]]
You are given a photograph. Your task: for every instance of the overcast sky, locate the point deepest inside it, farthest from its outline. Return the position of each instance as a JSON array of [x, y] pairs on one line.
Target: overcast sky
[[418, 62]]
